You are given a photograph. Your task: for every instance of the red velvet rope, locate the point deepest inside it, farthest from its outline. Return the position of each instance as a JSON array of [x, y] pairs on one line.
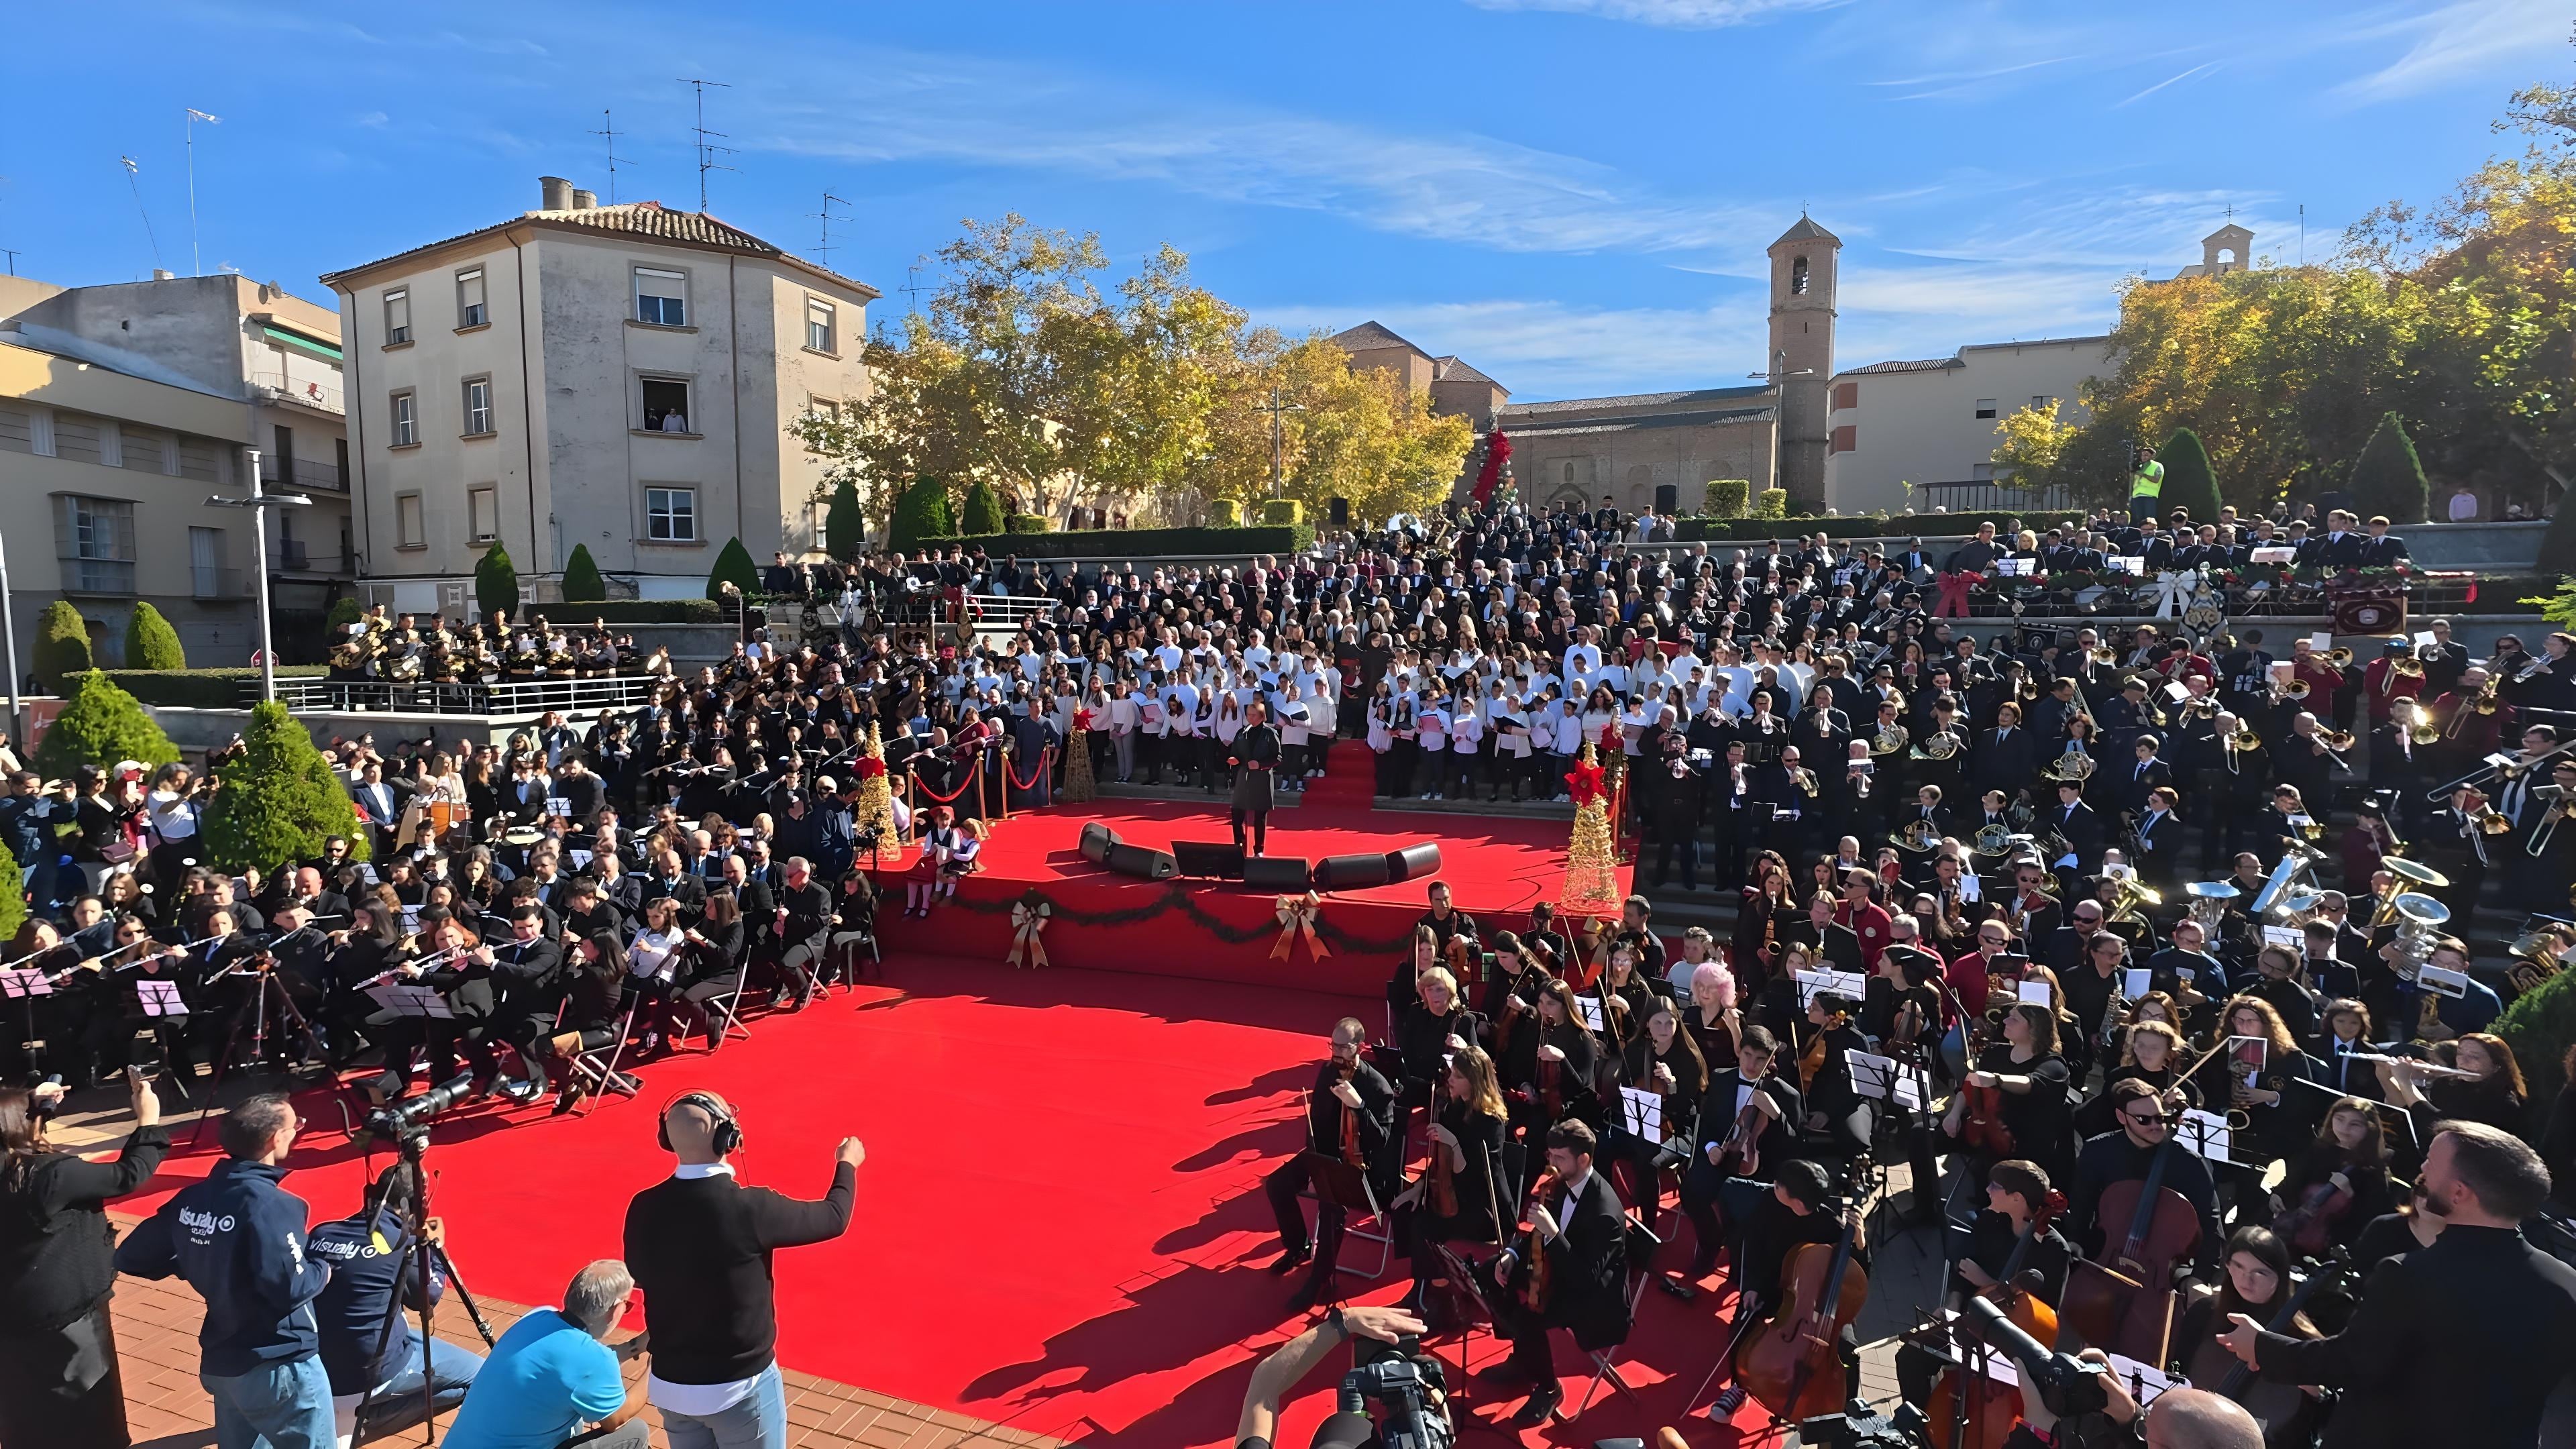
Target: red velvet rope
[[949, 799], [1041, 772]]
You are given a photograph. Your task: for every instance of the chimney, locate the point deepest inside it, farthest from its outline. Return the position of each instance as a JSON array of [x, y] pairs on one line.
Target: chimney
[[161, 275], [557, 193], [584, 200]]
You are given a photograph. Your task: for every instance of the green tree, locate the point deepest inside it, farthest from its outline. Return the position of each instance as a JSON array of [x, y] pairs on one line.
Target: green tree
[[150, 642], [581, 581], [2030, 442], [844, 526], [2388, 478], [62, 645], [496, 583], [1224, 513], [922, 513], [280, 800], [2539, 1026], [1283, 513], [733, 566], [101, 724], [2189, 482], [13, 896], [345, 611], [981, 514]]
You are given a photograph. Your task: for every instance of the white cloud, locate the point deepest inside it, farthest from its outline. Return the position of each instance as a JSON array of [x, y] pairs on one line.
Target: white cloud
[[2460, 41], [1679, 14]]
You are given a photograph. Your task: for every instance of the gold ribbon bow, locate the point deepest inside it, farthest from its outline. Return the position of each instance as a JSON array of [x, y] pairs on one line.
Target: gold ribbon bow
[[1297, 916], [1027, 922]]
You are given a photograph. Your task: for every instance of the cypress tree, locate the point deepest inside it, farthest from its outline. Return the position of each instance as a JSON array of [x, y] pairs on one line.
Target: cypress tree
[[345, 611], [62, 646], [922, 512], [278, 802], [844, 526], [581, 581], [733, 566], [100, 725], [13, 896], [2189, 481], [981, 514], [2388, 478], [150, 642], [496, 584]]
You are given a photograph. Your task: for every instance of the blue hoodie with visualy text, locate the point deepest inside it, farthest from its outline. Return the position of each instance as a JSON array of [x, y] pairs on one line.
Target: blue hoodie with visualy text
[[238, 1239]]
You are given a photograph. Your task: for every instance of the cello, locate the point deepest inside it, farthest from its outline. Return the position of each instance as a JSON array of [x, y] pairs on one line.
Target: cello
[[1791, 1362], [2126, 1305], [1990, 1409], [2286, 1412]]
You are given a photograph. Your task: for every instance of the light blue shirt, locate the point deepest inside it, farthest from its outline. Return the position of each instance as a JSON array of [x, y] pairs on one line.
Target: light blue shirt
[[545, 1378]]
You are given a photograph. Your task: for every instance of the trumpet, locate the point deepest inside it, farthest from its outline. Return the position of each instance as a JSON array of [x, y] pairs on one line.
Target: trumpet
[[2486, 701], [2531, 671], [1805, 780], [2423, 732], [2103, 654]]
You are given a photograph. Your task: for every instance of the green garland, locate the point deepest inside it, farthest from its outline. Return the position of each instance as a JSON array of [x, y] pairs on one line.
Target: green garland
[[1181, 899]]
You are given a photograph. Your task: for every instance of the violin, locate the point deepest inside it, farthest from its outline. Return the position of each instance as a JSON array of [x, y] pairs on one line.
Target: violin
[[1534, 1286], [1991, 1409], [1791, 1364], [1811, 1062], [1444, 1183], [1350, 1144]]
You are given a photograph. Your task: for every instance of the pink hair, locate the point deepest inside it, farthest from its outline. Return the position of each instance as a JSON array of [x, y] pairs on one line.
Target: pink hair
[[1715, 971]]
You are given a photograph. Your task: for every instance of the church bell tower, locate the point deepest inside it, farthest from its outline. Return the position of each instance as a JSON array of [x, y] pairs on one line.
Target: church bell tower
[[1804, 268]]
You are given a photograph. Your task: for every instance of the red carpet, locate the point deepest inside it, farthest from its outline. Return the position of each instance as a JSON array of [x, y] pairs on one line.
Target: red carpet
[[1496, 869], [1059, 1224]]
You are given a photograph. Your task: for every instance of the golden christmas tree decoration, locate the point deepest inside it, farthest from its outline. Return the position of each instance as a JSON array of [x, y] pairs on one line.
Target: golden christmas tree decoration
[[1078, 785], [1591, 859], [874, 810]]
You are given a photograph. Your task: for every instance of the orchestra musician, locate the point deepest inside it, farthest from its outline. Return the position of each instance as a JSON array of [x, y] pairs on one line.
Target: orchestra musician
[[1745, 1136], [2127, 1153], [1457, 1196], [1579, 1231], [1350, 1117]]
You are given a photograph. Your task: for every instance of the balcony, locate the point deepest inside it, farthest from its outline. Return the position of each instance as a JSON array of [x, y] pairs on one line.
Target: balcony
[[98, 576], [278, 387], [294, 556], [211, 582], [300, 475], [1983, 495]]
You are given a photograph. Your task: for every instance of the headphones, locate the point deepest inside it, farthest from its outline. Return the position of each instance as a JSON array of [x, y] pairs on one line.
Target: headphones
[[728, 1132]]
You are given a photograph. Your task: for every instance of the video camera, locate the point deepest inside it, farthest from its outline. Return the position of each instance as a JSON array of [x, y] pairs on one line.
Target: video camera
[[1412, 1395], [406, 1123]]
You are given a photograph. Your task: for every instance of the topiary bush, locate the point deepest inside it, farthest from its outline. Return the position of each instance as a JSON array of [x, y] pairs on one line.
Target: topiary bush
[[345, 611], [1137, 543], [1283, 512], [982, 510], [1024, 523], [1224, 513], [496, 583], [2388, 478], [2190, 482], [581, 581], [13, 896], [1773, 503], [2538, 1026], [1726, 497], [733, 566], [150, 642], [100, 725], [278, 802], [201, 688], [922, 513], [62, 646], [845, 528]]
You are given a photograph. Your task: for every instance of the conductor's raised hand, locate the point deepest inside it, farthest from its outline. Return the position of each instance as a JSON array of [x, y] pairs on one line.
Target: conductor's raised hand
[[850, 1153]]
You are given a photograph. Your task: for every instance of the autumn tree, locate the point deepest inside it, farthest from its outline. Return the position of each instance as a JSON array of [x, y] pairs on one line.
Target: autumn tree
[[2029, 443]]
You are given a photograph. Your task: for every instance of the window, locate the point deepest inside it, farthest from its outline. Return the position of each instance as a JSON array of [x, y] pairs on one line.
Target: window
[[661, 298], [820, 329], [148, 450], [666, 405], [483, 508], [1981, 472], [406, 420], [397, 316], [206, 562], [470, 310], [1846, 396], [478, 407], [342, 445], [408, 532], [1985, 407], [80, 439], [95, 537], [2041, 401], [671, 515], [1843, 439], [200, 459], [1798, 277]]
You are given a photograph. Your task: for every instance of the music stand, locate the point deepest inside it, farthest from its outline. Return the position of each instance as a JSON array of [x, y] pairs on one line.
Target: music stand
[[23, 985]]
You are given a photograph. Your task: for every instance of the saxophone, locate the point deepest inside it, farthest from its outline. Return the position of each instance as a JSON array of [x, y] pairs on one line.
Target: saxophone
[[2112, 1007]]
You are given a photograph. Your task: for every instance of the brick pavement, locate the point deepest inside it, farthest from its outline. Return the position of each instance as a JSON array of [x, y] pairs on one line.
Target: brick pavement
[[156, 1344]]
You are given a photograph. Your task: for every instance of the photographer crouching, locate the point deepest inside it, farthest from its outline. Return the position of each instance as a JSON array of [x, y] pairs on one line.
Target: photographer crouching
[[1389, 1367]]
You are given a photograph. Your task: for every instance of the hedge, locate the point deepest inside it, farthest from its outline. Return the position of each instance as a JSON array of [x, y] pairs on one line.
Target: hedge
[[1024, 523], [1224, 513], [200, 688], [639, 611], [1135, 543], [1902, 525], [1283, 512], [1727, 497]]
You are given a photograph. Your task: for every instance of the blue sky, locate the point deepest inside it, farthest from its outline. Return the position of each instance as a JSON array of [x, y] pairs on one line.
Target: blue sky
[[1572, 194]]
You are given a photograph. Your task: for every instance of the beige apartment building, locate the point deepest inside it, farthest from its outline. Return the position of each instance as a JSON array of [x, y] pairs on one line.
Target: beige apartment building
[[621, 377], [1932, 423], [122, 409]]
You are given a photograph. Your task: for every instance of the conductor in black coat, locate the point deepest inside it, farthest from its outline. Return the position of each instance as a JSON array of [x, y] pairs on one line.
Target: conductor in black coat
[[1255, 759], [2462, 1340], [1581, 1233], [1367, 1102]]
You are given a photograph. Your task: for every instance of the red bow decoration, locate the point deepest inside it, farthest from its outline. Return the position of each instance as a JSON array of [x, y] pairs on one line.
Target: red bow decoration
[[1584, 782], [1498, 451], [870, 767], [1953, 601], [1082, 719], [1610, 738]]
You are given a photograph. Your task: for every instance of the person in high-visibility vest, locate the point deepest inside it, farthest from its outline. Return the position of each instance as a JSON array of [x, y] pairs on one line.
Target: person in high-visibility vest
[[2146, 484]]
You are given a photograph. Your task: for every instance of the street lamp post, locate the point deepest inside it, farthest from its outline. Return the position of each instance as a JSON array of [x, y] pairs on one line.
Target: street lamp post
[[259, 502], [9, 635]]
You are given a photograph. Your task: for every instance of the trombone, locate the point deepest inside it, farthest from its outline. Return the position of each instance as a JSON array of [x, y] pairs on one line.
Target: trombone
[[2335, 743], [2547, 830]]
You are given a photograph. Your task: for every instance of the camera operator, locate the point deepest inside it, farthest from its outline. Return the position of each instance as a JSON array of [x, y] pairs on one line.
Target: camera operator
[[366, 1344], [2178, 1419], [1289, 1364], [238, 1239], [59, 1385], [554, 1372]]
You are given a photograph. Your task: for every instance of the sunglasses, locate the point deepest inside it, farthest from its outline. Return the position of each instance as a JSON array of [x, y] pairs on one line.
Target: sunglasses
[[2158, 1120]]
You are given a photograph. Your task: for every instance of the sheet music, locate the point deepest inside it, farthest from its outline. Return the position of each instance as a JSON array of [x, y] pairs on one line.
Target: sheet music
[[2145, 1382], [581, 859], [2031, 993], [2443, 981], [2135, 982], [160, 998], [1643, 1112], [2203, 1134], [1871, 1075], [367, 873], [559, 807], [1589, 1007], [1849, 984], [2290, 936], [18, 985]]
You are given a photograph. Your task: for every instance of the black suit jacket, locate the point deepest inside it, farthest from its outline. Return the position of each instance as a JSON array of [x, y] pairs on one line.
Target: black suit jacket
[[1587, 1265]]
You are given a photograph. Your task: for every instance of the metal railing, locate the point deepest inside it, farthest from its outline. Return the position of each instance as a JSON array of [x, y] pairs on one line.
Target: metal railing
[[1985, 495], [301, 474], [295, 556], [511, 697], [281, 388], [98, 576]]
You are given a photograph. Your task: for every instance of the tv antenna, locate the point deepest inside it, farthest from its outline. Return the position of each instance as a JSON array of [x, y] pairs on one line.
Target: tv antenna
[[608, 131], [196, 262], [823, 253], [12, 254], [912, 286], [707, 150]]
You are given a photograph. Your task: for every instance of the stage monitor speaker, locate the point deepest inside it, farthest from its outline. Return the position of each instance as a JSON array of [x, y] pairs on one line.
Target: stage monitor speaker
[[1143, 861], [1210, 859], [1413, 862], [1341, 513], [1278, 873], [1668, 499], [1097, 841], [1350, 872]]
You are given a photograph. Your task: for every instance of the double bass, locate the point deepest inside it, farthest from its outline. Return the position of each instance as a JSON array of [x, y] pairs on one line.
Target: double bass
[[2124, 1302], [1988, 1409], [1791, 1363]]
